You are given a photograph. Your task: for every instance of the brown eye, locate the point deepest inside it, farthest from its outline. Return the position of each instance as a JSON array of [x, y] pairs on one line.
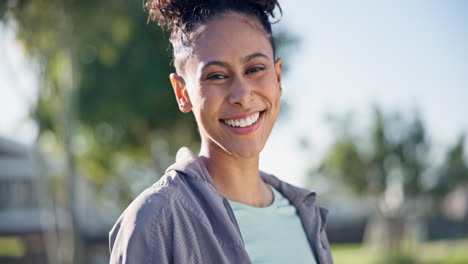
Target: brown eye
[[255, 69], [217, 76]]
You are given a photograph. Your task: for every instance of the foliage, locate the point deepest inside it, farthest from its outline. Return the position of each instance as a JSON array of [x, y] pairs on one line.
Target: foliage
[[393, 150], [391, 163], [454, 170], [105, 90], [101, 62]]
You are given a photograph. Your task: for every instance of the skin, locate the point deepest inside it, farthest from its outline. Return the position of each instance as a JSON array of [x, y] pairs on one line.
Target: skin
[[232, 73]]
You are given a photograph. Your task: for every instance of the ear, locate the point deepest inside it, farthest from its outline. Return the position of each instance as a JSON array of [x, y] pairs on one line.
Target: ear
[[180, 91], [279, 71]]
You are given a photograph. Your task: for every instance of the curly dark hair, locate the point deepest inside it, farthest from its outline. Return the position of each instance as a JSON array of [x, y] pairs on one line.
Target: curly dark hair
[[183, 17]]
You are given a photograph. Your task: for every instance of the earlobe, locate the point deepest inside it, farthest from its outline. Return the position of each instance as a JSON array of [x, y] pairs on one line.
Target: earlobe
[[180, 91], [279, 69], [185, 106]]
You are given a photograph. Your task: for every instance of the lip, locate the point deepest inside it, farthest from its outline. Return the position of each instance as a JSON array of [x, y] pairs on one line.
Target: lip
[[248, 129], [240, 116]]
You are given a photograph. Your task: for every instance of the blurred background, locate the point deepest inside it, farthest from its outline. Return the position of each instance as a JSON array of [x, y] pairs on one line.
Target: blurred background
[[374, 118]]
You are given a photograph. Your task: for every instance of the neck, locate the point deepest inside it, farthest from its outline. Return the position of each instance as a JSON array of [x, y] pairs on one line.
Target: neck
[[236, 178]]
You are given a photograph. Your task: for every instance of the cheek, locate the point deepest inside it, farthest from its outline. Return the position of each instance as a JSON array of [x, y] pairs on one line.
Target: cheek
[[209, 104], [270, 89]]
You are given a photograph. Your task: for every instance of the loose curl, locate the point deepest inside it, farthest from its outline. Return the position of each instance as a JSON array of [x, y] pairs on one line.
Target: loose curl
[[183, 17]]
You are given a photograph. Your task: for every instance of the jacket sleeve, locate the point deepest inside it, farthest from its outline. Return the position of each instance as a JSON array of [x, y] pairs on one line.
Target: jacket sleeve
[[142, 234], [325, 251]]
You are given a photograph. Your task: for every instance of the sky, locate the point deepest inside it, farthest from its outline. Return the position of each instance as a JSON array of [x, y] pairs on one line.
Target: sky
[[401, 55], [18, 89]]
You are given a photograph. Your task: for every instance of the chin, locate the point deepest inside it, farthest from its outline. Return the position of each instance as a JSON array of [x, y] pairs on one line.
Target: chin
[[236, 147], [246, 151]]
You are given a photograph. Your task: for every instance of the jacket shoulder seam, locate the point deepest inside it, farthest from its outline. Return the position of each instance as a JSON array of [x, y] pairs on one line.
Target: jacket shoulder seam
[[175, 196]]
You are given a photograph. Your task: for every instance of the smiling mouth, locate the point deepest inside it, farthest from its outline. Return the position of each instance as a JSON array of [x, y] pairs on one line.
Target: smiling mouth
[[243, 122]]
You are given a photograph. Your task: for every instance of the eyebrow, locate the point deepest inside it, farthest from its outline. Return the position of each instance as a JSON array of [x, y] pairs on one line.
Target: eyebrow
[[219, 63], [243, 60], [254, 55]]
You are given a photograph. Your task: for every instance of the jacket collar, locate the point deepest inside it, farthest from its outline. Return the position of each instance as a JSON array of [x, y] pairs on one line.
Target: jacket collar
[[295, 194], [192, 166]]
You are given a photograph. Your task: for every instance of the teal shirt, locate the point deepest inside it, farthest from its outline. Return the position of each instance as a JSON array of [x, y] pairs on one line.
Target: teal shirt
[[287, 244]]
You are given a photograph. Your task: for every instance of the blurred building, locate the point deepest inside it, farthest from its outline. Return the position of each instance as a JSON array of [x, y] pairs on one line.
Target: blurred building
[[31, 218], [21, 229], [349, 218]]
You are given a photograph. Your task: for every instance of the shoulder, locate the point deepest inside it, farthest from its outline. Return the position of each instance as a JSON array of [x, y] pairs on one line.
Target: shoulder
[[153, 203], [148, 212], [144, 231]]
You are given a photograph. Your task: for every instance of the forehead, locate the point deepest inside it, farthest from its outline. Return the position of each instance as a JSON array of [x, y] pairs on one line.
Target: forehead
[[228, 38]]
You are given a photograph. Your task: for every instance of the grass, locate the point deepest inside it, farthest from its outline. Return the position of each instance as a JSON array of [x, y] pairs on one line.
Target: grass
[[439, 252], [11, 247]]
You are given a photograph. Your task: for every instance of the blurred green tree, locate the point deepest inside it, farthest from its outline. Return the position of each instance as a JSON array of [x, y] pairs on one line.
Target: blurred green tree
[[105, 79], [392, 151], [105, 105], [391, 164], [104, 84], [105, 91], [454, 170]]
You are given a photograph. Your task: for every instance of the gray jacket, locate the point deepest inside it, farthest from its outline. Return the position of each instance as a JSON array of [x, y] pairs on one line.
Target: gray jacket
[[183, 219]]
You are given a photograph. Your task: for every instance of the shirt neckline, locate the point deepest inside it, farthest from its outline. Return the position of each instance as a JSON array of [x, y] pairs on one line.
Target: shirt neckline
[[276, 196]]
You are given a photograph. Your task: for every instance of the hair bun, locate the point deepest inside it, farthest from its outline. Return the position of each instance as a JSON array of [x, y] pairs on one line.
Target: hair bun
[[175, 13], [268, 6], [168, 13]]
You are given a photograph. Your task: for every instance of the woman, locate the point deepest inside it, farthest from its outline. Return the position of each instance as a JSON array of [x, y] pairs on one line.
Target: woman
[[218, 207]]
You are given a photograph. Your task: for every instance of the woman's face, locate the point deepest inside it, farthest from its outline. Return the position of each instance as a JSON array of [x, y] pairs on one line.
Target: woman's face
[[232, 84]]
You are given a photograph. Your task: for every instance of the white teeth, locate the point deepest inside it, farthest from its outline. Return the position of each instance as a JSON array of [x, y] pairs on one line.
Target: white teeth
[[244, 122]]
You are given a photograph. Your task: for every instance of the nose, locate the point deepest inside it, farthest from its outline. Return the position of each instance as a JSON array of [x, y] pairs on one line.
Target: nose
[[241, 92]]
